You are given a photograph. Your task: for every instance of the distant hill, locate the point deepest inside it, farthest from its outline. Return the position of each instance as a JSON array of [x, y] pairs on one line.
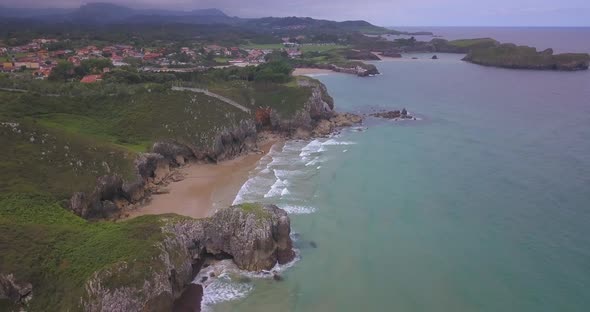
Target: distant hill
[[108, 13], [28, 13], [307, 24]]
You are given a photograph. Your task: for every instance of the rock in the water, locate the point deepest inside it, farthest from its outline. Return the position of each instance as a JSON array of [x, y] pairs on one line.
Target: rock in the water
[[277, 277], [245, 279], [256, 236], [434, 57], [395, 114], [190, 301], [313, 244]]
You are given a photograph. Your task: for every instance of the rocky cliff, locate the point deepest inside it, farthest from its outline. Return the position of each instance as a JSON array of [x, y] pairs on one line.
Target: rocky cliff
[[255, 236], [319, 106], [111, 193]]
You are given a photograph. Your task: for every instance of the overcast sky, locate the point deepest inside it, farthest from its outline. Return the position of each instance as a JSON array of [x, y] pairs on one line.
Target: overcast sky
[[382, 12]]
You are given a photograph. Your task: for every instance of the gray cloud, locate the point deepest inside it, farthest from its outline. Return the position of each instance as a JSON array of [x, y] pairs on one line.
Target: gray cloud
[[383, 12]]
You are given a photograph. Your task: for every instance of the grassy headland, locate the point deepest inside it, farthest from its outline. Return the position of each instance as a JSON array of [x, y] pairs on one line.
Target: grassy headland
[[57, 252], [523, 57]]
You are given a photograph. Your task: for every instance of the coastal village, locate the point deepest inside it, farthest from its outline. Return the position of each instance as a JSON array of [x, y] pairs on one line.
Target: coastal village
[[39, 57]]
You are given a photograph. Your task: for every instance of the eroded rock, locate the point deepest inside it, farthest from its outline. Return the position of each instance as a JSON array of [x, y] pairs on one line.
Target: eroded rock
[[255, 236]]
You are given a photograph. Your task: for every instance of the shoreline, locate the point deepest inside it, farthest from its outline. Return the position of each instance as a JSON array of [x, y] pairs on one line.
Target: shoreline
[[303, 71], [204, 188]]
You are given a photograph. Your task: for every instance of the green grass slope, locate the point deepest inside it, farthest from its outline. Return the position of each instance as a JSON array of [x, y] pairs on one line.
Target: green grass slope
[[58, 252]]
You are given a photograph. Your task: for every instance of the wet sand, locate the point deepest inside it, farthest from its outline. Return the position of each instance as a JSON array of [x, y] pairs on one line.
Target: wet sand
[[205, 187]]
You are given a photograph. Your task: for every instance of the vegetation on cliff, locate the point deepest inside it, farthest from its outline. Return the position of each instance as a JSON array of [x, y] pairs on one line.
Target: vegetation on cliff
[[341, 59], [59, 138], [57, 252], [523, 57], [66, 263]]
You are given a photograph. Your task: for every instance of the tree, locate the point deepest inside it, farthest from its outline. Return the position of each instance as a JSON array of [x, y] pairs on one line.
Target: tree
[[62, 72], [277, 71], [276, 56], [95, 65]]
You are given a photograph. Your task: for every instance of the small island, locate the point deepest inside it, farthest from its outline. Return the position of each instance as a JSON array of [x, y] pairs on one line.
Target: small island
[[523, 57]]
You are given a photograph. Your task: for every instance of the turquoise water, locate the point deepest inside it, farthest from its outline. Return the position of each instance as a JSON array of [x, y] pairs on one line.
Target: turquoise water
[[482, 205]]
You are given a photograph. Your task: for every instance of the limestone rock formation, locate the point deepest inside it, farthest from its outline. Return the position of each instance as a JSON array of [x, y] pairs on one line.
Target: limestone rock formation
[[100, 203], [255, 236], [262, 238], [339, 120]]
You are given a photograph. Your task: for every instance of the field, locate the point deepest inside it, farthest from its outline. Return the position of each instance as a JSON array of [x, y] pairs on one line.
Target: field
[[320, 47], [263, 46], [303, 47]]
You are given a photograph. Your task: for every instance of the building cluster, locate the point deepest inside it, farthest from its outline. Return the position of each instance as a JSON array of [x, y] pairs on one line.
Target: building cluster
[[34, 56]]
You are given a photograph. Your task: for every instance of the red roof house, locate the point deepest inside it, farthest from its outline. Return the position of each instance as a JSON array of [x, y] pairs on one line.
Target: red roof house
[[91, 78]]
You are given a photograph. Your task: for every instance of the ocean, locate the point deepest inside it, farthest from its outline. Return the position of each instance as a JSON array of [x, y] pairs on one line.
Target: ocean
[[482, 204], [560, 39]]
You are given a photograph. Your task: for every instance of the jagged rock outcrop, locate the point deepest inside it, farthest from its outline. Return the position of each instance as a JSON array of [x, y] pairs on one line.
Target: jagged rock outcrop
[[232, 142], [100, 203], [319, 106], [340, 120], [255, 236], [18, 292], [152, 167], [262, 238], [395, 114], [174, 152]]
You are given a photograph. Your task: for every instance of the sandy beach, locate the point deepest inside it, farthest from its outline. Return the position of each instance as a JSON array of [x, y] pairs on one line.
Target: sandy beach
[[205, 187], [311, 71]]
